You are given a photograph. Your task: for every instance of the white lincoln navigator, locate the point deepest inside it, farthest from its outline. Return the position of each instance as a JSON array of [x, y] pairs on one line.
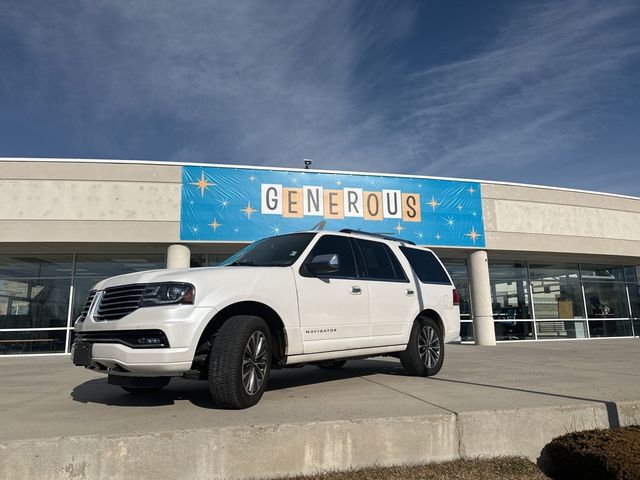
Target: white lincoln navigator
[[314, 297]]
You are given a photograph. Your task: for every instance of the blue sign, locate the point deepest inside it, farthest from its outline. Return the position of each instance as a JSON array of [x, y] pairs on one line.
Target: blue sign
[[241, 204]]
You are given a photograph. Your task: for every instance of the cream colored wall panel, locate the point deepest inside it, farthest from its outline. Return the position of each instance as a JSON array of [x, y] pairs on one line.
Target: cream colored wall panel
[[572, 246], [89, 231], [88, 200], [104, 171], [550, 219], [560, 197]]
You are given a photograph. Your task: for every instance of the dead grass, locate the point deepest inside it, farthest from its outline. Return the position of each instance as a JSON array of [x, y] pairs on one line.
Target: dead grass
[[505, 468]]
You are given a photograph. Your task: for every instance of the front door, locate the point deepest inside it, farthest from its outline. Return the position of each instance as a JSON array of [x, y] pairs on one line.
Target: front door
[[334, 308]]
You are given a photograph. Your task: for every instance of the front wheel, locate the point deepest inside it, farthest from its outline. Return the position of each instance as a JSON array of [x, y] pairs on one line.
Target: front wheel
[[425, 351], [240, 362]]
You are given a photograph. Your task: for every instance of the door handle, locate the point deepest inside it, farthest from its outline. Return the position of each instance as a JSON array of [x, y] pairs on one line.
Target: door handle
[[409, 292], [355, 290]]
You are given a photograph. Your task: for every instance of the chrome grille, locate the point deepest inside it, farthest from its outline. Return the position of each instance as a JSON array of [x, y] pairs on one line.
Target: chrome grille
[[117, 302], [87, 306]]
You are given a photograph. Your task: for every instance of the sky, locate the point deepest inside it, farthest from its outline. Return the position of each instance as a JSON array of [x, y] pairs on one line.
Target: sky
[[522, 91]]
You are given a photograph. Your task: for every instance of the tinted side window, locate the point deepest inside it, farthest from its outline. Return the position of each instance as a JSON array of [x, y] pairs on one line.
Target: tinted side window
[[426, 266], [340, 245], [379, 261]]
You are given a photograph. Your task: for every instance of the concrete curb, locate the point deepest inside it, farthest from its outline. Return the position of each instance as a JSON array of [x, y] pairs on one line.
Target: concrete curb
[[286, 449]]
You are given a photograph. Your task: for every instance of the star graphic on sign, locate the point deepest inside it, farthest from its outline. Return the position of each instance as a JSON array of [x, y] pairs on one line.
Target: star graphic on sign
[[473, 213], [236, 230], [419, 235], [248, 210], [398, 228], [338, 183], [275, 229], [473, 235], [252, 179], [202, 184], [195, 229], [460, 207], [449, 221], [224, 203], [471, 190], [433, 203], [438, 237], [215, 225]]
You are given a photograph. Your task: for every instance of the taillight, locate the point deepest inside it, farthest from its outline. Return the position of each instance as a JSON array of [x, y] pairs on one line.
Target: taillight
[[456, 297]]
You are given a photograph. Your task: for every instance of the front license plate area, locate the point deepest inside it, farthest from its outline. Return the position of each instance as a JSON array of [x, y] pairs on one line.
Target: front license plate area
[[82, 353]]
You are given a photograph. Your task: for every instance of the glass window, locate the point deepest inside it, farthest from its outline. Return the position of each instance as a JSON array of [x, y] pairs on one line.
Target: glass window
[[561, 329], [198, 260], [606, 300], [457, 268], [13, 343], [215, 259], [426, 266], [34, 303], [376, 260], [462, 286], [109, 265], [557, 297], [35, 266], [511, 330], [81, 289], [554, 270], [602, 272], [634, 297], [466, 331], [334, 244], [280, 251], [507, 270], [632, 274], [610, 328], [510, 299]]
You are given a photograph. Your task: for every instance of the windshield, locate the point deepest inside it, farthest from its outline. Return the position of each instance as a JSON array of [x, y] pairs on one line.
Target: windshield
[[280, 251]]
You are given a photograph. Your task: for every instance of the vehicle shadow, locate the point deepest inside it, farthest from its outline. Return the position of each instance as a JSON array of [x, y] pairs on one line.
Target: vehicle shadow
[[197, 392]]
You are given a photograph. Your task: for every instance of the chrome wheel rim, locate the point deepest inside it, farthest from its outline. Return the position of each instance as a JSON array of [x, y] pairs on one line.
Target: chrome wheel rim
[[429, 346], [254, 363]]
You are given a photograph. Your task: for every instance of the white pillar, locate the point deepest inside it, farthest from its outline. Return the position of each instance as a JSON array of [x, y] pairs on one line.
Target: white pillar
[[178, 256], [483, 328]]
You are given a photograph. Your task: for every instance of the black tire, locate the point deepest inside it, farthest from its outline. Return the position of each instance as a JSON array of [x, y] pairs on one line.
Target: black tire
[[161, 383], [331, 364], [230, 386], [419, 360]]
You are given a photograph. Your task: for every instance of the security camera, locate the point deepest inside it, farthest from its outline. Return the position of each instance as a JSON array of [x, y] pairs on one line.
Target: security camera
[[307, 163]]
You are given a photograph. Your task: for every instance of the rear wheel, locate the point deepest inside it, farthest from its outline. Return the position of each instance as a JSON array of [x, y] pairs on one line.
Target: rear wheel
[[331, 364], [425, 351], [240, 362]]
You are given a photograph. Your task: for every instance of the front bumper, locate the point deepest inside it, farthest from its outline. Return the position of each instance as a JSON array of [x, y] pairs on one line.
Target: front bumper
[[113, 348]]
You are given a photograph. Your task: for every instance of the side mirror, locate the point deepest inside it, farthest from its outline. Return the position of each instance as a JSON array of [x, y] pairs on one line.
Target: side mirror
[[322, 264]]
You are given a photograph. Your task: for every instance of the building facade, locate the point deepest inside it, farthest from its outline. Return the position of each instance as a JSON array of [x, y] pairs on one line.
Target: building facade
[[539, 263]]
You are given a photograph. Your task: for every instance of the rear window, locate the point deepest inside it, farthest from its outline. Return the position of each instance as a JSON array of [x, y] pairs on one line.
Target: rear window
[[426, 266]]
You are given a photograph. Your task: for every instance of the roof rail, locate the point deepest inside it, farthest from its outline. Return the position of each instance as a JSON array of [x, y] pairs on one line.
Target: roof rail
[[379, 235]]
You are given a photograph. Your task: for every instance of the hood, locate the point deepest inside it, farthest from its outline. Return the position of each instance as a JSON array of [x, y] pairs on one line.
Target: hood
[[187, 275]]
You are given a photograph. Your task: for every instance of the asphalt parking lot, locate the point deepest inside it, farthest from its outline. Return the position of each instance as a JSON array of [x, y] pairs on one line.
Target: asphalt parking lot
[[60, 421]]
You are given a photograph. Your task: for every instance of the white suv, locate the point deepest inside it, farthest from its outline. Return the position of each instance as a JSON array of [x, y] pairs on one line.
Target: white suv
[[315, 297]]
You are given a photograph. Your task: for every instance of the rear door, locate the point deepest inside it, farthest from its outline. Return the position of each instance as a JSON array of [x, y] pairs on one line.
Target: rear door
[[334, 308], [392, 296]]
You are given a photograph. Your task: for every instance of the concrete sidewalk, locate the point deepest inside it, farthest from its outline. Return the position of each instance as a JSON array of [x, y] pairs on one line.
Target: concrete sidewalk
[[509, 399]]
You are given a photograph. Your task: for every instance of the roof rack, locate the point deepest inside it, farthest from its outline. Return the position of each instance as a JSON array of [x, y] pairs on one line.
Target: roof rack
[[378, 235]]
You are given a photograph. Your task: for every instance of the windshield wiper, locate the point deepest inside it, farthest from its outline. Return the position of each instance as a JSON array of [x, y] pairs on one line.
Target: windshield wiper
[[242, 263]]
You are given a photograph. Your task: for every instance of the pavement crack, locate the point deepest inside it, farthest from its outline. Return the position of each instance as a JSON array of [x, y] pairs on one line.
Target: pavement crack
[[456, 417]]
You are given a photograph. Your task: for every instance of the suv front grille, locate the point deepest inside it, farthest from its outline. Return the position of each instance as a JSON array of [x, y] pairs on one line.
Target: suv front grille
[[87, 306], [117, 302]]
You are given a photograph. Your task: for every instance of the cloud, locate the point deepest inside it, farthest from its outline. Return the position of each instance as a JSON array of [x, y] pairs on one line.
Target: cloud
[[253, 82], [531, 95]]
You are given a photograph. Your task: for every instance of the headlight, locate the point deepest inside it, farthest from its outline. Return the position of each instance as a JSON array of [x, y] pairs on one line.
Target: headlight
[[167, 294]]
